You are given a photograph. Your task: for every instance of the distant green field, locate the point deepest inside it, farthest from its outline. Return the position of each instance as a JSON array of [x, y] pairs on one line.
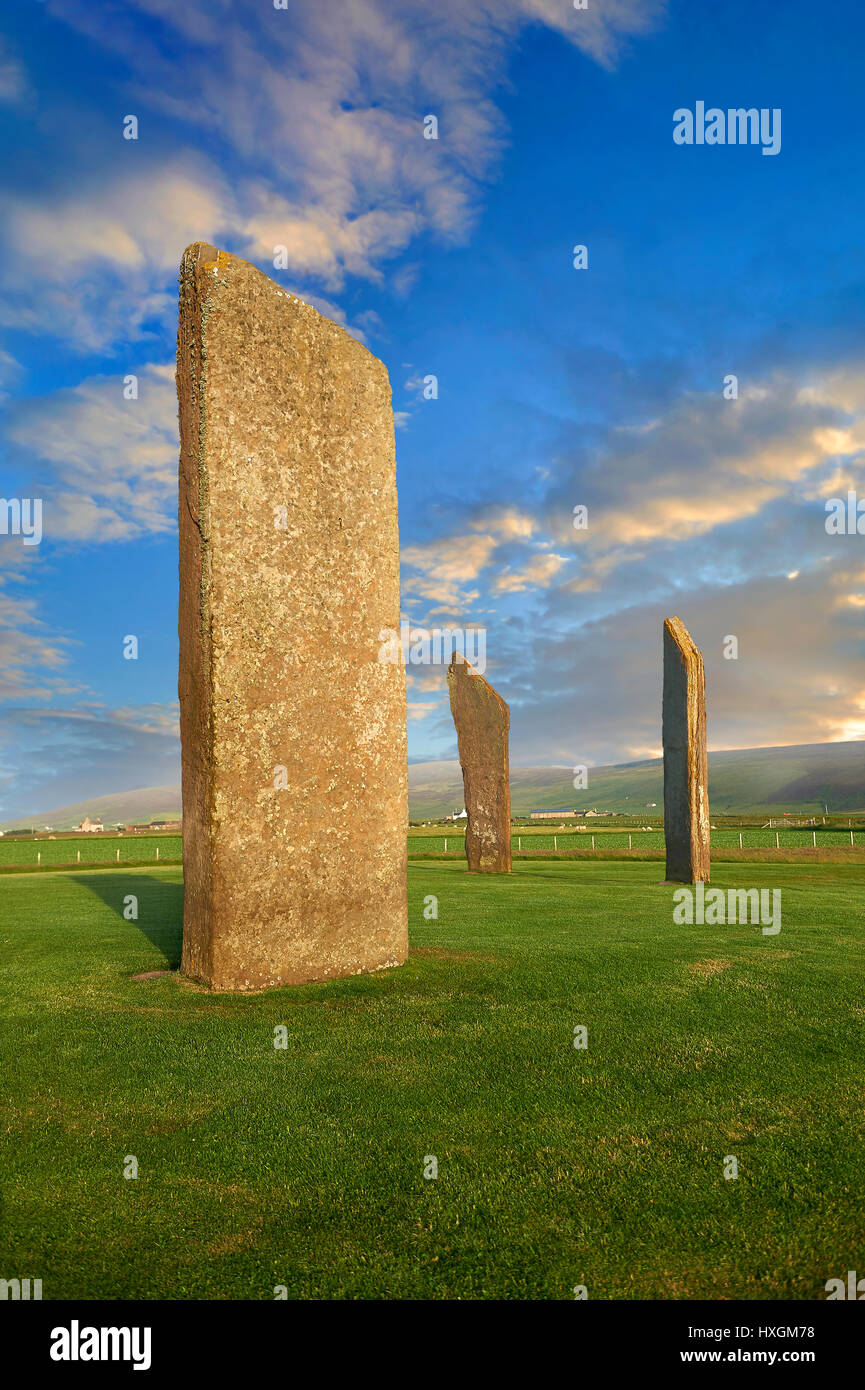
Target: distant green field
[[104, 849], [619, 839], [305, 1167], [93, 849]]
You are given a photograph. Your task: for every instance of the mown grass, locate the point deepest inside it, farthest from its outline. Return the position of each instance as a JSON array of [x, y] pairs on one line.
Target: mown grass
[[261, 1167]]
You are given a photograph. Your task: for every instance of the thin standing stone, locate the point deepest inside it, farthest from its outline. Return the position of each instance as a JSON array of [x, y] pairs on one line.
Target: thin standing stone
[[482, 721], [686, 778]]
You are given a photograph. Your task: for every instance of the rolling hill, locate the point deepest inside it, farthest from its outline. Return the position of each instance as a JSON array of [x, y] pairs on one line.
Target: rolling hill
[[138, 807], [807, 778]]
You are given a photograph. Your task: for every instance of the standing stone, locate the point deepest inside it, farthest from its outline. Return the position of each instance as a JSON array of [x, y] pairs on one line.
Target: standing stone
[[686, 778], [295, 801], [482, 721]]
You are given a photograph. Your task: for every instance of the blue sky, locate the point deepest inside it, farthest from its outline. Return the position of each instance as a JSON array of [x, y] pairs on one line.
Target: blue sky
[[557, 387]]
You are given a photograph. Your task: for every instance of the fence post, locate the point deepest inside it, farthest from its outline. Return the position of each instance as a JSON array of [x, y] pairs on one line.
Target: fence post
[[593, 842], [520, 840], [79, 856], [851, 837], [118, 856], [814, 838], [38, 856], [446, 844], [157, 851], [555, 843], [740, 839], [777, 846], [629, 842]]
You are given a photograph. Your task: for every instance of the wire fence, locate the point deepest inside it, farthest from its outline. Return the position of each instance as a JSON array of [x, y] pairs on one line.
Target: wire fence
[[136, 849], [93, 850], [651, 839]]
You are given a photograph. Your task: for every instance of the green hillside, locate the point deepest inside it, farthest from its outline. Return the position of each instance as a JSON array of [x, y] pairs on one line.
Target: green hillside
[[805, 778], [138, 807], [758, 781]]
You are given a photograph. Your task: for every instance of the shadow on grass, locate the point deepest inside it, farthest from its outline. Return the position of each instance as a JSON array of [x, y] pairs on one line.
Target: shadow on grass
[[159, 906]]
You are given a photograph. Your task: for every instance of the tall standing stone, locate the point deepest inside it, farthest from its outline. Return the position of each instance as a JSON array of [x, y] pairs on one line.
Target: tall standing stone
[[482, 721], [295, 802], [686, 777]]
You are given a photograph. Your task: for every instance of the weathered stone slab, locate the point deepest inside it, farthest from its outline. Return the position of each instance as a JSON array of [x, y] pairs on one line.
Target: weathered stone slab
[[686, 776], [482, 721], [295, 801]]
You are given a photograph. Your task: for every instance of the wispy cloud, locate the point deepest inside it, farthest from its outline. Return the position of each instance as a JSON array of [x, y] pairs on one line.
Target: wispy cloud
[[109, 463], [538, 573], [502, 549], [32, 655], [318, 113], [94, 264], [705, 465], [59, 756], [14, 83]]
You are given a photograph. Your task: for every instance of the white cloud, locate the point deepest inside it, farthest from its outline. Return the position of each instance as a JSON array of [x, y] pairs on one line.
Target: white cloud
[[54, 757], [445, 565], [96, 262], [32, 657], [506, 523], [111, 463], [707, 464], [538, 573], [420, 709], [321, 117]]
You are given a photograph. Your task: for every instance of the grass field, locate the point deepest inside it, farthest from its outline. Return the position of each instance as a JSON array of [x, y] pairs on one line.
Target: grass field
[[531, 838], [304, 1167], [138, 849], [94, 849]]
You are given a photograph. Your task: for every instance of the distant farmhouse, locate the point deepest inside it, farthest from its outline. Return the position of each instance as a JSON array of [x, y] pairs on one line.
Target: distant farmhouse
[[148, 829], [89, 825]]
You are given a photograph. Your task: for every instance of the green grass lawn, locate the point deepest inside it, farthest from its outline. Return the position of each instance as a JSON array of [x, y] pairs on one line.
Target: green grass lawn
[[557, 1167]]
